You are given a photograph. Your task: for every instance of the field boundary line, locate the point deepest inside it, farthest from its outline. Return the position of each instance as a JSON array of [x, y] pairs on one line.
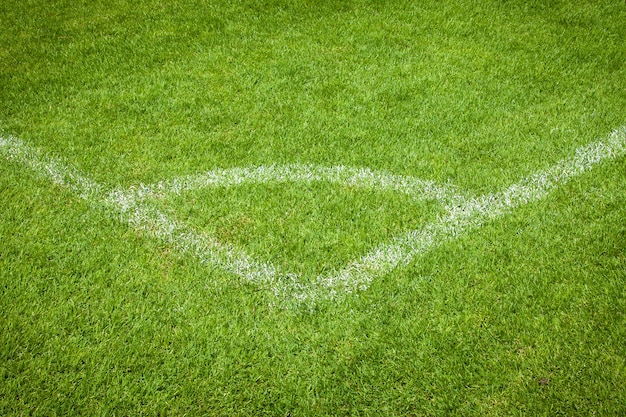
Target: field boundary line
[[141, 215], [463, 214], [471, 214], [53, 169]]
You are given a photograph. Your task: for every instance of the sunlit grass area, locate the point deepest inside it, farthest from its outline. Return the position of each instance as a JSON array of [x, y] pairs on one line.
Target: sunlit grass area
[[524, 315]]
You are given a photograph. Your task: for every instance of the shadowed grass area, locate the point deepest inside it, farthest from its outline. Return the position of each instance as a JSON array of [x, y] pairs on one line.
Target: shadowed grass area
[[524, 316]]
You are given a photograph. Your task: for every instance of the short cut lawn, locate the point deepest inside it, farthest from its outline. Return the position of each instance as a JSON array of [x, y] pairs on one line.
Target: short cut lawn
[[523, 315]]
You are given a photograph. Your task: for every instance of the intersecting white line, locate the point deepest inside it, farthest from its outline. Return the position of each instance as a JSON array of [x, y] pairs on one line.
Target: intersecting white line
[[471, 214], [463, 213], [141, 215]]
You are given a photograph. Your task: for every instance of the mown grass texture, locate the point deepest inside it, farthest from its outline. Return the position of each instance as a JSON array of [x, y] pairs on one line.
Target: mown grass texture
[[523, 316]]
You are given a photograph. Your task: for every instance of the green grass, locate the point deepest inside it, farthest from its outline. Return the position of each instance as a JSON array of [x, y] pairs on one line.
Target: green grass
[[309, 230], [524, 316]]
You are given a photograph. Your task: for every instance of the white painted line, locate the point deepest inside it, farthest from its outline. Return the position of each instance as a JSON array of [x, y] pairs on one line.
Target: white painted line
[[463, 214], [473, 213], [304, 174], [49, 168], [204, 247], [142, 215]]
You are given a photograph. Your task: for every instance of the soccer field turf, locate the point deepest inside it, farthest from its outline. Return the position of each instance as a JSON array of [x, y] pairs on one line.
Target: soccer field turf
[[313, 208]]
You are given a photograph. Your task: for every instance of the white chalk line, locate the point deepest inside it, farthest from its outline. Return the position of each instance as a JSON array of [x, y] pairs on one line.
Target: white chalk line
[[50, 168], [463, 214], [471, 214], [364, 178], [140, 215]]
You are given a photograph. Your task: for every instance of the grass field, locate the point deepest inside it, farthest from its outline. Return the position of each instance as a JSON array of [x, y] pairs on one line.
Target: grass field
[[297, 208]]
